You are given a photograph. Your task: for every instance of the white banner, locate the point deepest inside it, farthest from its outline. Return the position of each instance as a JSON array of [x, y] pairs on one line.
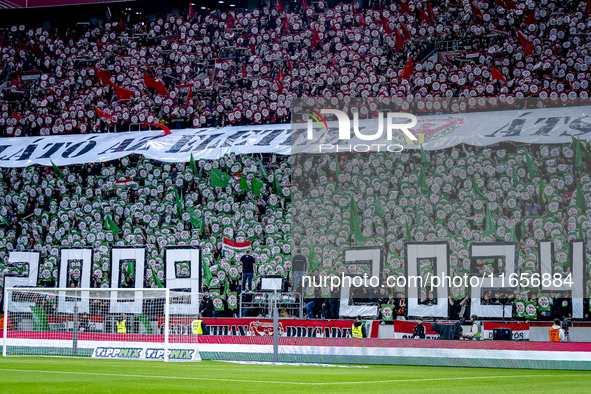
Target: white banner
[[540, 126]]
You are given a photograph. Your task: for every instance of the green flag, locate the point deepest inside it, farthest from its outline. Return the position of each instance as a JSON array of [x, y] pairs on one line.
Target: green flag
[[523, 229], [354, 222], [580, 198], [156, 280], [541, 191], [512, 238], [422, 184], [113, 226], [312, 261], [57, 170], [531, 167], [257, 186], [219, 178], [263, 171], [195, 220], [193, 166], [489, 228], [243, 183], [4, 221], [39, 319], [424, 159], [578, 155], [226, 287], [407, 234], [206, 273], [276, 184], [476, 188], [338, 168], [179, 204], [146, 324], [379, 208]]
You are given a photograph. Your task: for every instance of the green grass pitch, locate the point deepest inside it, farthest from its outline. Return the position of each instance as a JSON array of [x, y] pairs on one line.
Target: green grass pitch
[[47, 374]]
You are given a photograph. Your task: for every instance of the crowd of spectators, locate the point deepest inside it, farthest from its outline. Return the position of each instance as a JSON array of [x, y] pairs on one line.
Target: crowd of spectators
[[507, 192], [244, 67]]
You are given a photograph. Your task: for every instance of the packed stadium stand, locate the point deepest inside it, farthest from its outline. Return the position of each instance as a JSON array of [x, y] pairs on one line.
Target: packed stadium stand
[[221, 68], [218, 68]]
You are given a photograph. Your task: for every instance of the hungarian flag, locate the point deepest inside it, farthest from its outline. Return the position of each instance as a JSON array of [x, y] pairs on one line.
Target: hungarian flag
[[406, 73], [123, 94], [102, 114], [528, 47], [496, 75], [125, 182], [17, 116], [228, 244]]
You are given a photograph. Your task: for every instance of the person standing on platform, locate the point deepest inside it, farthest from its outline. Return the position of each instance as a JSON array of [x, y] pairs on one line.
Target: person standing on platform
[[248, 269]]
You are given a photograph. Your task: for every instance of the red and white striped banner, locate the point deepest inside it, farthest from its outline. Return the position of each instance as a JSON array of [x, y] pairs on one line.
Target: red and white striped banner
[[235, 246]]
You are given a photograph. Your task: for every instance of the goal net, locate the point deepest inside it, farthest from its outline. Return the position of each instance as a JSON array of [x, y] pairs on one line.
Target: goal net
[[142, 324]]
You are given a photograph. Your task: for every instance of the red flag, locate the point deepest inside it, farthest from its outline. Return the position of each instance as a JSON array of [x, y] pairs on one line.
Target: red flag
[[315, 38], [510, 5], [106, 78], [279, 87], [362, 21], [123, 94], [17, 116], [405, 8], [252, 48], [285, 26], [280, 75], [121, 28], [531, 19], [166, 129], [191, 11], [476, 11], [190, 95], [424, 17], [496, 74], [161, 89], [280, 7], [243, 70], [399, 42], [288, 63], [430, 9], [102, 114], [303, 4], [405, 32], [528, 47], [407, 70], [387, 29], [334, 61]]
